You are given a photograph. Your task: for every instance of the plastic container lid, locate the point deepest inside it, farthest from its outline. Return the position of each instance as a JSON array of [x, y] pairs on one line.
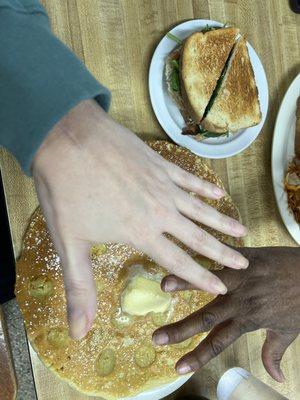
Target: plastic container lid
[[229, 381]]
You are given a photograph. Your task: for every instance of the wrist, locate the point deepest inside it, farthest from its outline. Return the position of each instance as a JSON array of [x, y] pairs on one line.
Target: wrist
[[72, 130]]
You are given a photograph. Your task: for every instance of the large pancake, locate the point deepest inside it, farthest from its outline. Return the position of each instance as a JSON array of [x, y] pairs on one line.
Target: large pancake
[[138, 365]]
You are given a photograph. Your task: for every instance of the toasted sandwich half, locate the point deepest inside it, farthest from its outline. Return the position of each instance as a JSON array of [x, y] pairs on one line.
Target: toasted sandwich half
[[193, 70], [203, 58], [236, 105]]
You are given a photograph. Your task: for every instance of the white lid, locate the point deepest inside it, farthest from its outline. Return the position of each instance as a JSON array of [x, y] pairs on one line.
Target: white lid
[[229, 381]]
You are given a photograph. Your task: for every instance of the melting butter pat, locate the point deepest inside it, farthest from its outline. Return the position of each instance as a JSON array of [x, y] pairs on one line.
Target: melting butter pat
[[143, 295]]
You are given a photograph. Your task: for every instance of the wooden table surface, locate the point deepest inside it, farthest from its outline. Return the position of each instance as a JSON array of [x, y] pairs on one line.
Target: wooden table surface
[[116, 40]]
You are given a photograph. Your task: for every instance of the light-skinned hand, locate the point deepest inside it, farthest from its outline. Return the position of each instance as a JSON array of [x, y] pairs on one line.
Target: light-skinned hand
[[98, 182]]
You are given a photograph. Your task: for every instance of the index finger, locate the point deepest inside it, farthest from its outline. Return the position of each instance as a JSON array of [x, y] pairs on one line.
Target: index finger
[[177, 261]]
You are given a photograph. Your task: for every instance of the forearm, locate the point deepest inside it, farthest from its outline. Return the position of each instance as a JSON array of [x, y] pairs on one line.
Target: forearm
[[41, 80]]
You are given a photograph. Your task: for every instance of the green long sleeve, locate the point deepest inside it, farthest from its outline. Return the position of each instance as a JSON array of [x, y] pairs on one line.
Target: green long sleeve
[[40, 79]]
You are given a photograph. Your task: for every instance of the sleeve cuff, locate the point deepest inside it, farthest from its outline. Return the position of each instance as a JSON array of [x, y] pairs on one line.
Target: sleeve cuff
[[41, 80]]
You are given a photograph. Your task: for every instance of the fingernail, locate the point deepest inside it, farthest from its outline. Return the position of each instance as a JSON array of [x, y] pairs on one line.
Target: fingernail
[[219, 287], [183, 368], [170, 285], [239, 229], [218, 192], [161, 338], [242, 263], [78, 325]]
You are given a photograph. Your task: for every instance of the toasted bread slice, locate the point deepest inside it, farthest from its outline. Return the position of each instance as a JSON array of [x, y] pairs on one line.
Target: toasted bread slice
[[203, 58], [236, 105]]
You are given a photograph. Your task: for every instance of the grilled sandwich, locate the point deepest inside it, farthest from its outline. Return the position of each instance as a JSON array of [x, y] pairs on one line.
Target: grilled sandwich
[[210, 77]]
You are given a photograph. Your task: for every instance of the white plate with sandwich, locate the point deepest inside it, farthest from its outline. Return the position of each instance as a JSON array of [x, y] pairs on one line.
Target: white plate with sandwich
[[208, 88], [286, 174]]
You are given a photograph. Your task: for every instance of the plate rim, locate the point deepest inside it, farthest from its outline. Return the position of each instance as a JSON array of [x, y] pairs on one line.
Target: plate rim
[[206, 150], [278, 175]]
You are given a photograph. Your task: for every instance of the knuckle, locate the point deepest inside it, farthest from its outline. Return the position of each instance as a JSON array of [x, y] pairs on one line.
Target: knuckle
[[228, 254], [196, 359], [230, 223], [234, 255], [242, 327], [276, 359], [177, 262], [76, 288], [252, 326], [184, 175], [216, 347], [138, 234], [161, 212], [199, 239], [225, 225], [248, 303], [245, 326], [199, 209], [175, 335], [208, 320]]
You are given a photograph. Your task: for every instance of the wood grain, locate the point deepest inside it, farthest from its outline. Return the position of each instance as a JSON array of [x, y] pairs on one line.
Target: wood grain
[[116, 40]]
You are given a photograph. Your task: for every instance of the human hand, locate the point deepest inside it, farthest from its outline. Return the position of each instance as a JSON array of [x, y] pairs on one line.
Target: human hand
[[98, 182], [266, 295]]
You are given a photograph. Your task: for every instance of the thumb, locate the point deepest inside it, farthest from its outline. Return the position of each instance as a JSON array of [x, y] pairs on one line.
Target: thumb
[[81, 294], [273, 350]]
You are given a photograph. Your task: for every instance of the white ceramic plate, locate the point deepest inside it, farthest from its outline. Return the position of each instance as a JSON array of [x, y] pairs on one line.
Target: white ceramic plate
[[283, 153], [168, 114], [161, 391]]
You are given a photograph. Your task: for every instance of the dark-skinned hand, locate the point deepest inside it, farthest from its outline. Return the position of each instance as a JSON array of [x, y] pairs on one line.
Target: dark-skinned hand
[[266, 295]]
